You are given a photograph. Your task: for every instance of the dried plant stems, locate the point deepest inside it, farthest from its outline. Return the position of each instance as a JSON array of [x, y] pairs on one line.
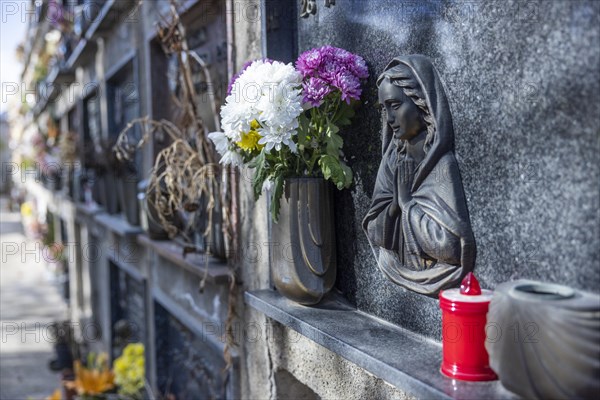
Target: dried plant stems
[[186, 176]]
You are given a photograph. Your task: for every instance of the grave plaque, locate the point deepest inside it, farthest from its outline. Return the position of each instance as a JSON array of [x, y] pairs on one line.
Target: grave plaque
[[128, 311], [188, 364]]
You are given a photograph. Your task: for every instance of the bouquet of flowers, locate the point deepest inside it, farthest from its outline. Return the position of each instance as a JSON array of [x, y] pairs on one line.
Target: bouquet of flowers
[[130, 371], [97, 381], [93, 380], [285, 121]]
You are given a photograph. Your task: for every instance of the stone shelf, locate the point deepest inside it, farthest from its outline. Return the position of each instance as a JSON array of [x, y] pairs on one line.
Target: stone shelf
[[87, 210], [112, 12], [118, 225], [83, 51], [218, 272], [57, 202], [397, 356]]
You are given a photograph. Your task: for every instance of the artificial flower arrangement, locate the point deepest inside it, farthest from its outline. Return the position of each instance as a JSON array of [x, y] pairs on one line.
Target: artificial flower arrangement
[[96, 380], [285, 121], [130, 371]]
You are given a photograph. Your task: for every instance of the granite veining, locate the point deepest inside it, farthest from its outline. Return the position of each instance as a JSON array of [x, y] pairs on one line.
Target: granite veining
[[523, 85]]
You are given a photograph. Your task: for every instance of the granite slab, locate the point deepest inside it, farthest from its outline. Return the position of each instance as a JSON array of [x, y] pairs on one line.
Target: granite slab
[[522, 81], [402, 358], [118, 225], [217, 271]]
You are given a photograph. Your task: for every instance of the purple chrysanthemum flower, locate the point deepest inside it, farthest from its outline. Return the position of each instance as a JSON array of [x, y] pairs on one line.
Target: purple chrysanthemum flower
[[336, 67], [359, 67], [315, 90], [328, 72], [329, 68], [349, 85], [309, 62], [351, 62]]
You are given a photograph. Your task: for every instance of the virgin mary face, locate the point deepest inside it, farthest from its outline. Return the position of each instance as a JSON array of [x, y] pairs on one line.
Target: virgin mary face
[[402, 114]]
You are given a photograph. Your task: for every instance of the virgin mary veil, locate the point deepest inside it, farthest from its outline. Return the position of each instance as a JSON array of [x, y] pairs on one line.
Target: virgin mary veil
[[433, 245]]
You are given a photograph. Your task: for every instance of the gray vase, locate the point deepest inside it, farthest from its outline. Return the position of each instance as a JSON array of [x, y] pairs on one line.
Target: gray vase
[[149, 215], [108, 193], [303, 258], [130, 205], [543, 340]]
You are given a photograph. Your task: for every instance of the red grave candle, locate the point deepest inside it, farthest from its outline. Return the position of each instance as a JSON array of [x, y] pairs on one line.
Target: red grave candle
[[463, 331]]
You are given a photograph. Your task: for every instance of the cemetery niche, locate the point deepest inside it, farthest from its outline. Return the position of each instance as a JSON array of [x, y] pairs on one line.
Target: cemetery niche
[[310, 244]]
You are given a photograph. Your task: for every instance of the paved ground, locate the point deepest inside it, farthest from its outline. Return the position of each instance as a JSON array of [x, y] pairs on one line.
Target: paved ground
[[29, 301]]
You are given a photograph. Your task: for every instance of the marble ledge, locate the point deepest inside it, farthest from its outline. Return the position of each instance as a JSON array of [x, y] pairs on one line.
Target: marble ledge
[[112, 12], [399, 357], [217, 273], [88, 209], [118, 225], [57, 201]]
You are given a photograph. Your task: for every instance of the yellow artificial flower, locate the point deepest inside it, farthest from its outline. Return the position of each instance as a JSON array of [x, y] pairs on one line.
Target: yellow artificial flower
[[92, 381], [130, 371], [133, 349], [250, 140], [139, 362], [120, 366], [57, 395], [26, 209]]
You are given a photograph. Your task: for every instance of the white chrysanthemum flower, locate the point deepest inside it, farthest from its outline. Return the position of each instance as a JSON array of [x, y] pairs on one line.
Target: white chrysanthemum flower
[[234, 115], [274, 137], [282, 105], [228, 157], [269, 92], [220, 140], [232, 158]]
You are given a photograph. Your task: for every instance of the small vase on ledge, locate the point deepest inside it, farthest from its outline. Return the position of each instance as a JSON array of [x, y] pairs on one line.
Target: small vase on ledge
[[303, 258]]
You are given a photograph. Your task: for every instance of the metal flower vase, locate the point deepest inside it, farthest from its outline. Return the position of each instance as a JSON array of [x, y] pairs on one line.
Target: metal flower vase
[[304, 260]]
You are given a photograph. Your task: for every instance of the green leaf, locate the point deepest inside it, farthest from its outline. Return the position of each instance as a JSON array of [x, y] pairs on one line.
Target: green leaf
[[260, 175], [332, 170], [337, 171], [334, 143], [344, 114], [303, 128], [347, 174], [276, 197], [332, 128]]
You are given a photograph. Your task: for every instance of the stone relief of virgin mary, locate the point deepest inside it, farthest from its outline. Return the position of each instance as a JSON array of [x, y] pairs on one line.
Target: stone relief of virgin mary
[[418, 223]]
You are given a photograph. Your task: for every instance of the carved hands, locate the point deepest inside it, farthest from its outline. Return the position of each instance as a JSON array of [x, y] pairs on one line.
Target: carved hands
[[405, 175]]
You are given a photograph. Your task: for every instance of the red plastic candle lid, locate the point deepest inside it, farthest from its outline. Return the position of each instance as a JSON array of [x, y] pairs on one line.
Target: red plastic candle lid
[[470, 297], [470, 285]]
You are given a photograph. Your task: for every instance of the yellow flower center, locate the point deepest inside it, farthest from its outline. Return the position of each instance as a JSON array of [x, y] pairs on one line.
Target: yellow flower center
[[250, 140]]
